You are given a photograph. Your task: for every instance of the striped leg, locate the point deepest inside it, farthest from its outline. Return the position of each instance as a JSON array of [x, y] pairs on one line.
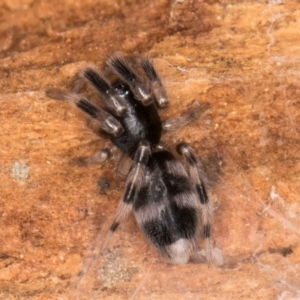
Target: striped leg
[[97, 158], [191, 114], [102, 86], [140, 87], [133, 185], [106, 121], [157, 87], [197, 177]]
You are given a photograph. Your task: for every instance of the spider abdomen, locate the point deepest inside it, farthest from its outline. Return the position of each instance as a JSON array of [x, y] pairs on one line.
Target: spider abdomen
[[166, 207]]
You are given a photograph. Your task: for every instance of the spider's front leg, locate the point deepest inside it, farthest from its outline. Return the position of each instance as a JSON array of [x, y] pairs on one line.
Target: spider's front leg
[[132, 187], [140, 87], [158, 89], [107, 123], [100, 121], [102, 86]]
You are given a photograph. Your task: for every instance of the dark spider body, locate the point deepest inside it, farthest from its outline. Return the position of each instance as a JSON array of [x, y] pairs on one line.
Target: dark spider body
[[145, 118], [169, 203]]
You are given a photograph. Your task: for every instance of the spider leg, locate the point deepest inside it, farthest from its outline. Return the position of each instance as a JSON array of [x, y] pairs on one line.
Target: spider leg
[[157, 86], [133, 184], [192, 114], [98, 81], [197, 177], [122, 161], [123, 166], [107, 122], [98, 157], [139, 86]]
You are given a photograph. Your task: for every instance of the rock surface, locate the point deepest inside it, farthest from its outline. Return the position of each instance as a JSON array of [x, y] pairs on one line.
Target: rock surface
[[240, 58]]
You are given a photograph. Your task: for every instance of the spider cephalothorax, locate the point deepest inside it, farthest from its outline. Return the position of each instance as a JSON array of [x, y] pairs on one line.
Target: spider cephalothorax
[[169, 203]]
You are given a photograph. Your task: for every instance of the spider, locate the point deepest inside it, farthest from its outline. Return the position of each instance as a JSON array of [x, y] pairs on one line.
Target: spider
[[169, 203]]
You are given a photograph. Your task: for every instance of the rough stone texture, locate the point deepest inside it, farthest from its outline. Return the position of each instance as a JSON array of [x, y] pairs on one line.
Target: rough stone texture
[[241, 58]]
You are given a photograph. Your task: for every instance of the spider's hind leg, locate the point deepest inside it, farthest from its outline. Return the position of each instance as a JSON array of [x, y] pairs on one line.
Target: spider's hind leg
[[197, 177], [132, 187]]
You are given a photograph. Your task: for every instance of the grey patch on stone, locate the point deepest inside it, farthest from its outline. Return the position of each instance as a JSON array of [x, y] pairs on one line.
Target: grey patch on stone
[[207, 122], [115, 270], [19, 171]]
